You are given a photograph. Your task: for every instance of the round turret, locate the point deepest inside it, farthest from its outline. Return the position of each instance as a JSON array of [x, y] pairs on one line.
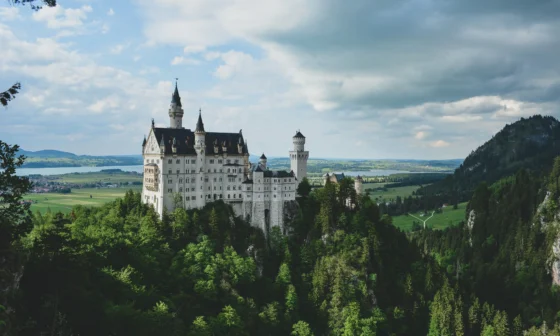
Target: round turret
[[262, 161], [299, 141], [358, 185]]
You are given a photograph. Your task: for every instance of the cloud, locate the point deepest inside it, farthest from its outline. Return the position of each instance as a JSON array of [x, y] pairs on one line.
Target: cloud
[[439, 143], [420, 135], [118, 49], [9, 13], [57, 17], [180, 60], [110, 12], [194, 49]]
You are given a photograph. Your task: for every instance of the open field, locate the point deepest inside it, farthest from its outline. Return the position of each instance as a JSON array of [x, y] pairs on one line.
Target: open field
[[391, 194], [99, 177], [64, 202], [448, 217]]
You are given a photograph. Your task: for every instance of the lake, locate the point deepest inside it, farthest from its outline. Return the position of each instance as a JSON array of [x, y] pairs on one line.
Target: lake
[[139, 169], [69, 170]]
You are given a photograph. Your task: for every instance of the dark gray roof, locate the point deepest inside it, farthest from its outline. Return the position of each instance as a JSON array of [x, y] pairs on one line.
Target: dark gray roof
[[185, 141], [199, 123], [175, 98], [144, 142], [299, 135], [263, 156]]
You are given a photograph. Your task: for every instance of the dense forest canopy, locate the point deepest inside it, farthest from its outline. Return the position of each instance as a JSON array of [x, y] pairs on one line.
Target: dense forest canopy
[[342, 268]]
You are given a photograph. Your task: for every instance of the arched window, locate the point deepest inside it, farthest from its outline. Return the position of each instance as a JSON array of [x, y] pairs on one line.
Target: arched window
[[228, 196]]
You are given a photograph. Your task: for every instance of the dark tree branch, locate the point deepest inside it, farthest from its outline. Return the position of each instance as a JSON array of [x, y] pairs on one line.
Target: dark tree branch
[[10, 94], [32, 3]]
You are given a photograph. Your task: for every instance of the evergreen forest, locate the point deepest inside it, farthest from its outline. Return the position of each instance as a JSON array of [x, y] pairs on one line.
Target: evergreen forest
[[339, 268]]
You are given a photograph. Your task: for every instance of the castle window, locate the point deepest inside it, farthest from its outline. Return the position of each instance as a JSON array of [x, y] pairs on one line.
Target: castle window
[[206, 179], [220, 161], [214, 187], [169, 190], [169, 161], [193, 198], [239, 195], [228, 196], [193, 161], [228, 170], [192, 171], [180, 180], [178, 161], [228, 188], [214, 179], [220, 179], [235, 170], [214, 170], [187, 198], [169, 181], [209, 188], [209, 170], [177, 171], [170, 171], [180, 189], [220, 188], [236, 161], [228, 161], [192, 189], [274, 188], [233, 187], [211, 161], [274, 196]]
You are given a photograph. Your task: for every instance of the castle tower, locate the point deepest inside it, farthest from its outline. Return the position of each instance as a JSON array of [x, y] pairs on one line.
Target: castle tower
[[262, 162], [358, 185], [299, 156], [176, 110], [200, 148]]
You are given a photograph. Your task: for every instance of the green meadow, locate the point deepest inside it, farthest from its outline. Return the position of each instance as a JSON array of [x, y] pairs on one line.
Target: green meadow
[[391, 193], [64, 202], [448, 217]]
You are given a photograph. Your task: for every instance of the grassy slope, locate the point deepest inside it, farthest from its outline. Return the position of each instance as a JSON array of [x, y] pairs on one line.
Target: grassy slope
[[64, 202], [391, 193], [449, 217]]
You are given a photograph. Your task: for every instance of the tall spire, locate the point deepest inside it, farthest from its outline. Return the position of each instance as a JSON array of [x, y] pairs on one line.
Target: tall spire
[[199, 123], [176, 98]]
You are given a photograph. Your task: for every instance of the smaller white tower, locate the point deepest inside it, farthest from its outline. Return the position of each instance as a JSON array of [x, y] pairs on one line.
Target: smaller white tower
[[262, 162], [176, 110], [299, 156], [358, 185]]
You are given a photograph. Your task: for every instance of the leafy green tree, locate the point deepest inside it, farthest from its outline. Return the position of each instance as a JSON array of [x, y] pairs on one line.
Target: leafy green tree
[[304, 188], [301, 328]]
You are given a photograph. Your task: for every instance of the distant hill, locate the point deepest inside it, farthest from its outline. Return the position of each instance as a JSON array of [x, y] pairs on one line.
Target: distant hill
[[49, 158], [47, 153], [531, 143]]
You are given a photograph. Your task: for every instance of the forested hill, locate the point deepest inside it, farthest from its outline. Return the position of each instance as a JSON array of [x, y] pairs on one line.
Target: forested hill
[[55, 158], [531, 144]]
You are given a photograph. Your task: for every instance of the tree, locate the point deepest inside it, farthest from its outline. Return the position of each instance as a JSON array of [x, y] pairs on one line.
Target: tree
[[304, 188], [15, 221]]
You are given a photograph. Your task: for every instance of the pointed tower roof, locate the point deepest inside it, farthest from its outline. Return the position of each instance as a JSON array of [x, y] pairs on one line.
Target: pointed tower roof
[[144, 142], [299, 135], [199, 123], [263, 157], [175, 98]]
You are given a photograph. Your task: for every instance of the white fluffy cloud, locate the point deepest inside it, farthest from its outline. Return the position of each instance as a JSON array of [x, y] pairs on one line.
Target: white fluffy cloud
[[58, 17]]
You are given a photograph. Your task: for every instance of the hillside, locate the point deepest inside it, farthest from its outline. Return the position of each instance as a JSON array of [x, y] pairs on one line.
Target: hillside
[[55, 158], [531, 143]]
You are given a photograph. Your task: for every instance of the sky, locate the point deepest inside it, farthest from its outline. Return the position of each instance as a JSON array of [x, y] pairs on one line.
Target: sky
[[374, 79]]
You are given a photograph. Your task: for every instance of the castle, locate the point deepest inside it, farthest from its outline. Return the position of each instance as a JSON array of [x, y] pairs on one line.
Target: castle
[[190, 169]]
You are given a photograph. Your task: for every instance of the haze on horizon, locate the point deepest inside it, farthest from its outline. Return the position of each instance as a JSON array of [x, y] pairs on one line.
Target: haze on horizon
[[403, 79]]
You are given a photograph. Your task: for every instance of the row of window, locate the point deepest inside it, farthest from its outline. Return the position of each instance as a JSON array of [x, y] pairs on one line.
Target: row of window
[[193, 161], [193, 171], [216, 179], [216, 196], [267, 180]]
